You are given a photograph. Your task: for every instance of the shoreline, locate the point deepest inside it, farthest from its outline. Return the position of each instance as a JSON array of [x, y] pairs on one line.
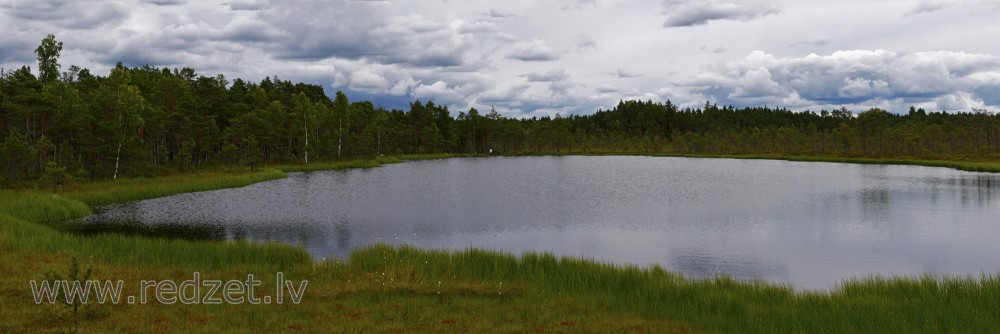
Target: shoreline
[[444, 284]]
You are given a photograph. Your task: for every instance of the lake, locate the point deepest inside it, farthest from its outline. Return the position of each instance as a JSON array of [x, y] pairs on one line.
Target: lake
[[808, 224]]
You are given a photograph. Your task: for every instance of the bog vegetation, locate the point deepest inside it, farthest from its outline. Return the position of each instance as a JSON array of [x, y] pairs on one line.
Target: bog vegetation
[[150, 121]]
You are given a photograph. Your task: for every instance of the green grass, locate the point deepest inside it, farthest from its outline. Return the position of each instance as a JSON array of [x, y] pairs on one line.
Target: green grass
[[40, 207], [403, 289], [367, 163], [873, 305], [334, 165], [105, 192]]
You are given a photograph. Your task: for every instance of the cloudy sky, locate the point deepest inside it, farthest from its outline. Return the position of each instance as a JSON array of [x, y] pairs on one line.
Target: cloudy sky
[[531, 58]]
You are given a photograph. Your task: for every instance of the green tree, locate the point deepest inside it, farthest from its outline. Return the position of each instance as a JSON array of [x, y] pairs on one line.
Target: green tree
[[48, 58], [54, 175], [15, 149]]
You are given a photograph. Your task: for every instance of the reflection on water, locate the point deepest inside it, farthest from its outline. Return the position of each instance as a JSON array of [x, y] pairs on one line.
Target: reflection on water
[[811, 225]]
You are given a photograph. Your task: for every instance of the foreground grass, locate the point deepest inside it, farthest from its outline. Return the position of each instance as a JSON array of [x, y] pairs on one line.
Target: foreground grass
[[387, 289]]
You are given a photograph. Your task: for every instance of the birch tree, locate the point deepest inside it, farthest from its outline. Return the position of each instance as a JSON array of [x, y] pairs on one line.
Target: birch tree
[[306, 111], [127, 106], [340, 107]]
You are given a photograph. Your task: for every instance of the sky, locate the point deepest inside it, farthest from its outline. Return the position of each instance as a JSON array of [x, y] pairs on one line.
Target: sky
[[538, 58]]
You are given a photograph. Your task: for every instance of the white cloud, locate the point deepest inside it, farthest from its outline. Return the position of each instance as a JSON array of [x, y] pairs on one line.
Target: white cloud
[[437, 90], [364, 79], [475, 27], [755, 84], [535, 50], [958, 101], [863, 87], [853, 77]]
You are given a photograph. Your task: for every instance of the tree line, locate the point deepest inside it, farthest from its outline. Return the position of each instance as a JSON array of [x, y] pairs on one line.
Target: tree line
[[146, 121]]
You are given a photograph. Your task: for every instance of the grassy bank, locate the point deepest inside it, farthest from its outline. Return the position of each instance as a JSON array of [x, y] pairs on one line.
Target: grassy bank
[[386, 289], [963, 165], [338, 165]]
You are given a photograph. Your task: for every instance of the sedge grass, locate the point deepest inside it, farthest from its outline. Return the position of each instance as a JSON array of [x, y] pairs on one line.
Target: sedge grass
[[105, 192]]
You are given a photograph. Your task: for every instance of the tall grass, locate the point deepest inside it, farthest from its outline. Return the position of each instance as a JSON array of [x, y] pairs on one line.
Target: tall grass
[[22, 211], [909, 305], [40, 207], [124, 190]]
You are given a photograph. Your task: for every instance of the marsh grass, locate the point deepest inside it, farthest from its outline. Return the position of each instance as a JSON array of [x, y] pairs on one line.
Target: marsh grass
[[403, 289], [923, 304], [106, 192], [40, 207]]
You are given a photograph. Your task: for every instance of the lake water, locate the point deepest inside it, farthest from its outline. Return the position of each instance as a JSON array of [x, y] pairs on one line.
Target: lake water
[[808, 224]]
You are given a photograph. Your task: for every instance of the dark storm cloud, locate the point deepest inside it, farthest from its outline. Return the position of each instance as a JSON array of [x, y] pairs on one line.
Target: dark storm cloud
[[352, 30], [249, 31], [814, 42], [608, 89], [17, 50], [65, 14], [927, 6], [166, 2], [138, 57], [498, 14], [549, 76], [989, 94], [246, 6], [684, 13], [622, 73]]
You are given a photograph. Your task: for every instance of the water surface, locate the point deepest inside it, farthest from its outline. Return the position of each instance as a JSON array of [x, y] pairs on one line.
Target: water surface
[[808, 224]]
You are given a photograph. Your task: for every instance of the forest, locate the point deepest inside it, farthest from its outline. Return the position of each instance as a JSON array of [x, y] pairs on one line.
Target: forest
[[143, 121]]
